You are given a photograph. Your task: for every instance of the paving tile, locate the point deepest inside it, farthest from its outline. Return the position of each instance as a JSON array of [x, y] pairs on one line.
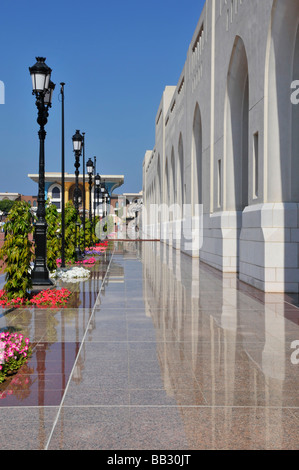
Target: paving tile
[[240, 428], [26, 428], [157, 429], [82, 394], [91, 428]]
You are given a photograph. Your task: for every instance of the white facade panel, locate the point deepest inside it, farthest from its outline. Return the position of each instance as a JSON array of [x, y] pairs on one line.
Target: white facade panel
[[227, 140]]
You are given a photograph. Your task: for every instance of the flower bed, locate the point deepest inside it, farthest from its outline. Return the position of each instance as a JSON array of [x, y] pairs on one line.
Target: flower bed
[[48, 298], [14, 352], [97, 249], [89, 261], [94, 251], [71, 275], [103, 244], [51, 298]]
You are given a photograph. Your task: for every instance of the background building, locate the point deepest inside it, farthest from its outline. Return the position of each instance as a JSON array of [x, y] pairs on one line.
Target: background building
[[10, 198], [53, 190]]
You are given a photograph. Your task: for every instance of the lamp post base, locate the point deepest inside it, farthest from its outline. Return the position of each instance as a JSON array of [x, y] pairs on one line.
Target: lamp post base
[[41, 278], [40, 272], [40, 285], [78, 254], [35, 290]]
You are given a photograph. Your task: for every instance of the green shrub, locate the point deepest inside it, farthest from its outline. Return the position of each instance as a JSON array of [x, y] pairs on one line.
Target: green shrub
[[53, 219], [70, 217], [90, 238], [16, 251], [6, 205]]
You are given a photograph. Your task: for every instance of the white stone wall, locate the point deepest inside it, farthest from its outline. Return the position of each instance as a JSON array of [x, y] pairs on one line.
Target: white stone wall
[[227, 141]]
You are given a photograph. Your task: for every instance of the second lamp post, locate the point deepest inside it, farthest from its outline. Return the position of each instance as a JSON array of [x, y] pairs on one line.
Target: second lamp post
[[89, 166], [77, 147]]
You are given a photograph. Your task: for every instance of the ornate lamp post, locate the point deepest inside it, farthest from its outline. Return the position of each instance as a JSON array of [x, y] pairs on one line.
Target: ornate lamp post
[[84, 200], [102, 191], [108, 203], [89, 166], [42, 88], [62, 179], [105, 195], [104, 205], [94, 192], [77, 147], [97, 180]]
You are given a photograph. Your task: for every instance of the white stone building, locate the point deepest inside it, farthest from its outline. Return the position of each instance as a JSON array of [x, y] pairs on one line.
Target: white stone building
[[227, 140]]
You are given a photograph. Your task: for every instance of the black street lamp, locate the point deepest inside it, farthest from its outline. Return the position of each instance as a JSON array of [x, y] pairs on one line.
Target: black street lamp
[[97, 180], [77, 147], [108, 200], [103, 191], [107, 204], [105, 195], [94, 192], [84, 198], [89, 166], [42, 88], [62, 180]]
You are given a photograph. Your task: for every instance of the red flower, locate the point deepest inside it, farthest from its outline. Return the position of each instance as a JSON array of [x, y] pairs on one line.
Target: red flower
[[48, 297]]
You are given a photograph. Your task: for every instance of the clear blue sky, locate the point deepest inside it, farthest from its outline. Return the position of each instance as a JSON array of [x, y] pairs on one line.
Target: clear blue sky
[[115, 57]]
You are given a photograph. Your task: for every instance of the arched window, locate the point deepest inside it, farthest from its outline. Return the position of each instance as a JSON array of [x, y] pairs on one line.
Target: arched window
[[237, 122], [197, 158], [180, 174], [56, 193], [55, 196]]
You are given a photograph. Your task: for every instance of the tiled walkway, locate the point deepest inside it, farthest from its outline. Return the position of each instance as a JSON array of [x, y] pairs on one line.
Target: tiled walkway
[[170, 355]]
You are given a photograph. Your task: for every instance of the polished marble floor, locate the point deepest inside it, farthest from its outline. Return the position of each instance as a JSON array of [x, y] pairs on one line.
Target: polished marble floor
[[156, 351]]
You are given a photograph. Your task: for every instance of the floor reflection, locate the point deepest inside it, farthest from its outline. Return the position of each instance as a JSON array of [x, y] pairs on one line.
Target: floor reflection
[[55, 336], [236, 342], [42, 381]]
